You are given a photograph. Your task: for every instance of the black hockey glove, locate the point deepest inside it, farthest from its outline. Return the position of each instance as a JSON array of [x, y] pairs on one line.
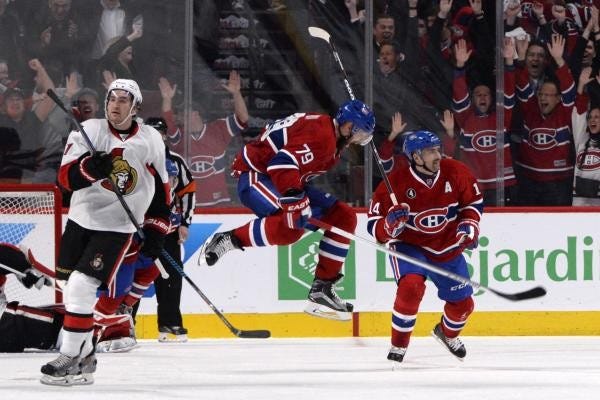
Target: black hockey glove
[[97, 166], [34, 278], [155, 231]]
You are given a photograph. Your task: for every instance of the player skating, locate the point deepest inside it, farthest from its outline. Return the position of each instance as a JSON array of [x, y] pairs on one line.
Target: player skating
[[273, 181], [437, 219], [99, 231]]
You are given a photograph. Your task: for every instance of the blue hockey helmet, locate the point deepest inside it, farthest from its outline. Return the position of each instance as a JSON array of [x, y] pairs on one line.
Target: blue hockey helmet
[[419, 140], [172, 169], [361, 117]]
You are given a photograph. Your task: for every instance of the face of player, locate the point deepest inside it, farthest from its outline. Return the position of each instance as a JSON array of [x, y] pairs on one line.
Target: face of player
[[428, 161], [594, 121], [548, 98], [482, 98], [119, 109]]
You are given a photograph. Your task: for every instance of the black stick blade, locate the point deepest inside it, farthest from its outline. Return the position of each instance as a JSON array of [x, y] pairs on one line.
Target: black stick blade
[[258, 334], [526, 295]]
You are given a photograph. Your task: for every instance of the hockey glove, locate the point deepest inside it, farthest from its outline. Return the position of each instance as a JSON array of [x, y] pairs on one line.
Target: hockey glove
[[467, 233], [396, 218], [296, 209], [155, 231], [97, 166], [34, 278]]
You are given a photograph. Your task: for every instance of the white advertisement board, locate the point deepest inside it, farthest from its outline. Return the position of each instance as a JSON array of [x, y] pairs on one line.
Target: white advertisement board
[[517, 251]]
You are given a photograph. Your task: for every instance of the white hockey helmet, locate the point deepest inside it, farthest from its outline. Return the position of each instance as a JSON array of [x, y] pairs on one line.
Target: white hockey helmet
[[127, 85], [131, 87]]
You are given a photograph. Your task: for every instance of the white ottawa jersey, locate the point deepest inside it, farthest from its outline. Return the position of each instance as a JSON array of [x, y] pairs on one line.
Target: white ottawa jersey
[[136, 160]]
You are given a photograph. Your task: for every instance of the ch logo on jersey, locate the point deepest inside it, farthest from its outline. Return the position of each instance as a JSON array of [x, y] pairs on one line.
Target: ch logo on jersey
[[431, 221], [203, 166], [542, 138], [591, 161], [123, 175], [484, 141]]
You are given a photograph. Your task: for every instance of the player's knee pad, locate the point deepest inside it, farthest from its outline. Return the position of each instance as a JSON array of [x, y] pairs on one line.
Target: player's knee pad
[[459, 310], [411, 289], [80, 293], [342, 216]]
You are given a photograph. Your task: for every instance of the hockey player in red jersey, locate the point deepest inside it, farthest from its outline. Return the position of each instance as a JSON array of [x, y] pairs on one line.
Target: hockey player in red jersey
[[99, 231], [273, 180], [437, 219]]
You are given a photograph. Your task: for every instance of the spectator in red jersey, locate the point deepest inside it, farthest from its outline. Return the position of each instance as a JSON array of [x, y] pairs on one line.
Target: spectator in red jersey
[[207, 142], [476, 117], [545, 154], [586, 135]]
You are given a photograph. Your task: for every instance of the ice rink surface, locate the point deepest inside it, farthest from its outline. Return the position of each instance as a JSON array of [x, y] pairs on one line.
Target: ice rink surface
[[496, 368]]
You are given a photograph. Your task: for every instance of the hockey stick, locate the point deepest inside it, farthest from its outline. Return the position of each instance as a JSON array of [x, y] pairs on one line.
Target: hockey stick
[[537, 291], [164, 253], [14, 271], [322, 34], [254, 334]]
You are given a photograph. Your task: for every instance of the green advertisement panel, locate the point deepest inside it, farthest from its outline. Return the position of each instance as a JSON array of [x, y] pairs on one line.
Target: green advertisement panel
[[297, 264]]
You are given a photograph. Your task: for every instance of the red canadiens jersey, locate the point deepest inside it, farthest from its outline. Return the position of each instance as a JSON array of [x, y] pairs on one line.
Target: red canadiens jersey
[[292, 150], [435, 211], [478, 135], [206, 157]]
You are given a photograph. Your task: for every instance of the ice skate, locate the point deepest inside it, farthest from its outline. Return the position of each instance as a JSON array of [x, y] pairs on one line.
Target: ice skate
[[324, 302], [453, 345], [87, 367], [396, 355], [69, 371], [172, 334], [117, 345], [220, 243]]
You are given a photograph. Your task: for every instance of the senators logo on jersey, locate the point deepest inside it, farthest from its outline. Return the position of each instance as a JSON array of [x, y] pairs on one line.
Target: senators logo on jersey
[[123, 175]]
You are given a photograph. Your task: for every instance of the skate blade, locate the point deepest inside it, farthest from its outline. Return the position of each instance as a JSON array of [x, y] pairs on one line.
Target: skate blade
[[111, 346], [201, 255], [441, 342], [319, 310], [68, 380], [170, 338], [396, 366]]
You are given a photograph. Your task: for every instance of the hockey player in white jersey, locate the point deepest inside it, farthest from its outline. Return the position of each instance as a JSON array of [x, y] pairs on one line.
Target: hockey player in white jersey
[[98, 230]]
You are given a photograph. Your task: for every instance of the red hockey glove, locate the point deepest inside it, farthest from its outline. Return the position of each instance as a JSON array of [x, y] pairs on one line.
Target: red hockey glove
[[467, 233], [296, 209], [97, 166], [396, 218]]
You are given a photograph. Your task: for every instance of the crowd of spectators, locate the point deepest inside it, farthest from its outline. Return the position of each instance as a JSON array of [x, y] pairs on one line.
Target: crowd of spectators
[[434, 68], [438, 57]]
